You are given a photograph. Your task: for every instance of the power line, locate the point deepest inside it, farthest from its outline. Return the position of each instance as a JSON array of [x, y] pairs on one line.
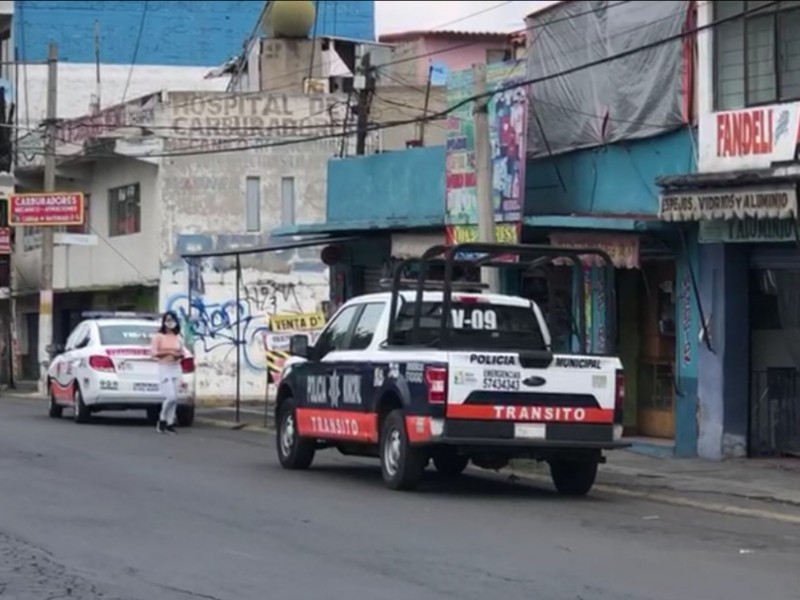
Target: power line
[[136, 48], [480, 12], [466, 101], [243, 59], [405, 59], [203, 99]]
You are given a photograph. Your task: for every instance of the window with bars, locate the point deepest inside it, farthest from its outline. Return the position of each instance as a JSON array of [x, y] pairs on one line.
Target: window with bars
[[756, 57], [124, 210]]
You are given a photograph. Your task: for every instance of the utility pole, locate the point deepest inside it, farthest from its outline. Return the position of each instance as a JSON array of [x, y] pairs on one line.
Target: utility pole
[[365, 92], [483, 172], [46, 280]]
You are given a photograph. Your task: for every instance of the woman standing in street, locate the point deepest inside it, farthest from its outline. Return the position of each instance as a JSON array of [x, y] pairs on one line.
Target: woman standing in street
[[167, 349]]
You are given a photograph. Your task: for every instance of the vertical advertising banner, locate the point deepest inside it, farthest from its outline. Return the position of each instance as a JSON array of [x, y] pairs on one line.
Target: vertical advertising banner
[[508, 110]]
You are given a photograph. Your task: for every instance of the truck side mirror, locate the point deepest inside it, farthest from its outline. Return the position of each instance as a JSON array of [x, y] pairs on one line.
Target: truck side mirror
[[298, 346]]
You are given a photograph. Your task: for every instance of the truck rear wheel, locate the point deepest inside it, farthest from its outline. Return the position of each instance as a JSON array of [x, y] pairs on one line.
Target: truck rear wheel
[[450, 463], [401, 463], [575, 476]]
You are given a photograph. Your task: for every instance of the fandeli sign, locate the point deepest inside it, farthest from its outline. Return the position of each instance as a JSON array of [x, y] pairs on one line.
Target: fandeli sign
[[761, 203], [752, 138], [51, 209]]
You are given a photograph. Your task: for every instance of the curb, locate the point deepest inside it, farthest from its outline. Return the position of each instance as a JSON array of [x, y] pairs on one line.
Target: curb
[[682, 501], [220, 424]]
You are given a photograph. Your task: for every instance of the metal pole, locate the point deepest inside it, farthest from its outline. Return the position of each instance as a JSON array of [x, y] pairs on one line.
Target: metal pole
[[483, 168], [425, 107], [364, 100], [238, 338], [46, 282]]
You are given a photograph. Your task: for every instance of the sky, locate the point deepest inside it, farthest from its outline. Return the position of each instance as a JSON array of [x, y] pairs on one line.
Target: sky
[[392, 16]]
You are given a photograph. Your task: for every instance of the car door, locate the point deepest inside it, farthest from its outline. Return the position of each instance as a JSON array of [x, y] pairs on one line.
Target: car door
[[319, 389], [64, 365], [355, 363]]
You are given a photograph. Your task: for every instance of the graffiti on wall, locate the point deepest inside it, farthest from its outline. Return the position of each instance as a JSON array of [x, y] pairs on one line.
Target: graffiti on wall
[[209, 119], [221, 328], [686, 318]]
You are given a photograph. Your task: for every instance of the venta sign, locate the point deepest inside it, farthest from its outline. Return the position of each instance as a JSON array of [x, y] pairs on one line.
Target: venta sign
[[752, 138]]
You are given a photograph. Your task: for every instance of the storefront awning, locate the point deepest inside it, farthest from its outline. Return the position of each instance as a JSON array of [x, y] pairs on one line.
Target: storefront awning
[[623, 248], [762, 202]]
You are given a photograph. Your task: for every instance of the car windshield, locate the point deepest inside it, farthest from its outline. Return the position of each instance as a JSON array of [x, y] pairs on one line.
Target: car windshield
[[135, 334], [474, 325]]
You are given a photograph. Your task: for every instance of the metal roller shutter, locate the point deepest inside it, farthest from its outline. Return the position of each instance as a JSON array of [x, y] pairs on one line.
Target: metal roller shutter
[[768, 256], [371, 279]]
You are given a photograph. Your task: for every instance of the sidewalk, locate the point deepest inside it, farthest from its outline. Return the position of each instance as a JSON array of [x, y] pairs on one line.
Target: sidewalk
[[746, 487], [251, 414]]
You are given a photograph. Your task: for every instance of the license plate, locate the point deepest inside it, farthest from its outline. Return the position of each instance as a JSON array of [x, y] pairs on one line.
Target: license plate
[[530, 431], [145, 387], [138, 366]]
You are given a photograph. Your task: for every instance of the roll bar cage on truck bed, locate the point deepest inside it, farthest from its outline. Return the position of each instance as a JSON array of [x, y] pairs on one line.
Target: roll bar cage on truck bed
[[529, 255]]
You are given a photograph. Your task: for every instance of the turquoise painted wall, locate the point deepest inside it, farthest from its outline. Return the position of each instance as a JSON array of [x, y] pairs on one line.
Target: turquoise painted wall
[[617, 179], [404, 189], [687, 325]]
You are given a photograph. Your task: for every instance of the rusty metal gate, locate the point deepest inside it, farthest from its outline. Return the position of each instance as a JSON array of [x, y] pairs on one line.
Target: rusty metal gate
[[775, 412]]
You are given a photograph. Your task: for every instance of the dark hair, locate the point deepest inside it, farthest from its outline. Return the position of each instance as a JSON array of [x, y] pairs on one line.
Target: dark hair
[[163, 329]]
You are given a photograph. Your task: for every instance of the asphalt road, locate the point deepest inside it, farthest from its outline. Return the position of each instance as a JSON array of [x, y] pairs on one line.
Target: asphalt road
[[113, 510]]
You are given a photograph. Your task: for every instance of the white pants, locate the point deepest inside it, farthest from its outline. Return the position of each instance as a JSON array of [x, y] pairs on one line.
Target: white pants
[[169, 375]]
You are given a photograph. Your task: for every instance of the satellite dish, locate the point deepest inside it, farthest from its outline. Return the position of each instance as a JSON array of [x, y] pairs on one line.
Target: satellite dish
[[289, 18]]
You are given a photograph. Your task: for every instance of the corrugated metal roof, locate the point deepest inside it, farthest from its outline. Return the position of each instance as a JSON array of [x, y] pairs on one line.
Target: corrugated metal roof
[[452, 33]]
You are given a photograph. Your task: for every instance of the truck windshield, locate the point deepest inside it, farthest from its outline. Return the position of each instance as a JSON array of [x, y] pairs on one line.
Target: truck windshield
[[473, 325]]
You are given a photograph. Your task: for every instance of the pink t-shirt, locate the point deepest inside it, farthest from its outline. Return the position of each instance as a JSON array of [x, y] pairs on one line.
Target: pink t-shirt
[[164, 342]]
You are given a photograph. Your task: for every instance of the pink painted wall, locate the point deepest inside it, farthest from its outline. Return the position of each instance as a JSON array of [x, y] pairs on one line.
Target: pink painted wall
[[462, 57]]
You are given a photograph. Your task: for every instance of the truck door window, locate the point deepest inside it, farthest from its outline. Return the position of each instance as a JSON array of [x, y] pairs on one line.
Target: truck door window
[[335, 335], [366, 325]]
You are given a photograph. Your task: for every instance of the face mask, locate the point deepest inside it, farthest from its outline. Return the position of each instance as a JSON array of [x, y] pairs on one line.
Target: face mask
[[171, 325]]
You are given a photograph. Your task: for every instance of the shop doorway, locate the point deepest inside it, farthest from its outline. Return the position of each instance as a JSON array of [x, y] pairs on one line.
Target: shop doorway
[[656, 369], [774, 360]]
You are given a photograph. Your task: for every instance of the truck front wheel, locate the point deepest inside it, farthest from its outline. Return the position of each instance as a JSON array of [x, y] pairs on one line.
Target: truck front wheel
[[573, 476], [295, 453], [401, 463]]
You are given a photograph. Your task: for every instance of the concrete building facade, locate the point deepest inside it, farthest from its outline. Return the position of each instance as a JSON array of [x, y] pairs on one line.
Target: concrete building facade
[[742, 206], [171, 44], [166, 187]]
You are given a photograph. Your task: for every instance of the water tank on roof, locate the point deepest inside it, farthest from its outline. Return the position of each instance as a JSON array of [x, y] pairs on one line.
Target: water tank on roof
[[289, 18]]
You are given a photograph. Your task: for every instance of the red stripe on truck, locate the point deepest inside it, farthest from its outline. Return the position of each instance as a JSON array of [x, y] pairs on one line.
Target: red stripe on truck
[[337, 424], [533, 414]]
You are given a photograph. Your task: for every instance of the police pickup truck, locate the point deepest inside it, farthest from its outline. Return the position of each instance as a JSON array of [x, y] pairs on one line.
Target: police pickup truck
[[482, 386]]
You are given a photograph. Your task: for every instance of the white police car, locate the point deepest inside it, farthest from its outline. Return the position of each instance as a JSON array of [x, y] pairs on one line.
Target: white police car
[[106, 365]]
